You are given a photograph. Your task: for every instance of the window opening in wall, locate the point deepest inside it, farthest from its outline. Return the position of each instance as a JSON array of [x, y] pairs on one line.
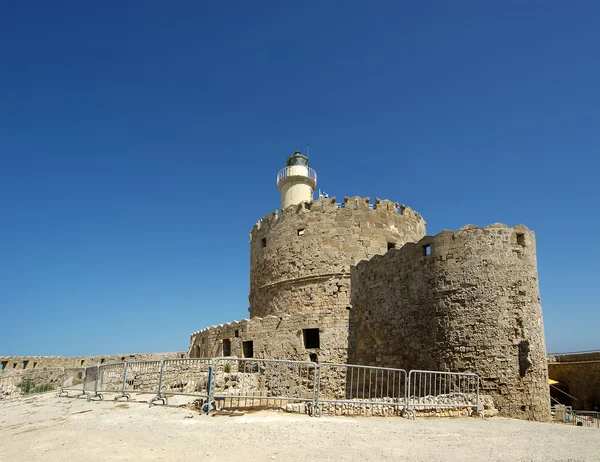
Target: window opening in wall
[[314, 358], [263, 242], [14, 365], [248, 349], [123, 359], [391, 245], [521, 239], [34, 364], [301, 232], [311, 338], [25, 364], [226, 347], [356, 204], [112, 361], [237, 333], [101, 360], [427, 249], [91, 362], [82, 363], [3, 365]]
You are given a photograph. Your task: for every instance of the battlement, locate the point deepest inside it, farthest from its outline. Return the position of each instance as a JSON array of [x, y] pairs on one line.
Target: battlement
[[350, 204], [465, 300], [441, 246], [9, 364]]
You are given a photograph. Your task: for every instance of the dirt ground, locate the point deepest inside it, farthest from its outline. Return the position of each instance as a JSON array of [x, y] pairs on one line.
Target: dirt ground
[[47, 428]]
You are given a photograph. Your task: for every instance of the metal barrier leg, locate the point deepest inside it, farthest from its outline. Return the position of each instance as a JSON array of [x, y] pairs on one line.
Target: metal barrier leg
[[159, 396], [96, 395], [62, 391], [210, 389], [127, 396]]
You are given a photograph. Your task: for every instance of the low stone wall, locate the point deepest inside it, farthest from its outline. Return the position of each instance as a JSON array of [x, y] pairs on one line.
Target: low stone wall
[[16, 364], [290, 337], [579, 376]]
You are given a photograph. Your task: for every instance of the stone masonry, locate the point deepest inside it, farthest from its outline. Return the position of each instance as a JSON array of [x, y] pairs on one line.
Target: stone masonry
[[301, 261], [578, 375], [464, 301], [13, 364], [360, 282], [276, 337], [300, 277]]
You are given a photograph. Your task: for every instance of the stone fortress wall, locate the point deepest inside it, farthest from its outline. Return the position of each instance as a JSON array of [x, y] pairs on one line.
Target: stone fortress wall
[[300, 278], [18, 364], [276, 337], [300, 261], [464, 301], [578, 375]]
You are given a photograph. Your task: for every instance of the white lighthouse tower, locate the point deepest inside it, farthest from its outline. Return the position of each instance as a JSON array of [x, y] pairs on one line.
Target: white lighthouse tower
[[296, 181]]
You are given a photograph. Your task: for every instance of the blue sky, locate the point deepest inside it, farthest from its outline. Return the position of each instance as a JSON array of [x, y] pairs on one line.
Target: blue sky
[[140, 140]]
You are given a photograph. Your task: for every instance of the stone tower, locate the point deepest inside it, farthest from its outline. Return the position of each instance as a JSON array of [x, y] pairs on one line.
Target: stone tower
[[464, 301], [300, 260]]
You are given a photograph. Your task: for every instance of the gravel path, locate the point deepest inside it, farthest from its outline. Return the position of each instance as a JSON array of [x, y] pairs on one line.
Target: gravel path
[[47, 428]]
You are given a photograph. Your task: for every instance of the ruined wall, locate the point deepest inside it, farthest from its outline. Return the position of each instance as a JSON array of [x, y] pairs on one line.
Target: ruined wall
[[581, 374], [12, 364], [300, 262], [464, 301], [276, 337]]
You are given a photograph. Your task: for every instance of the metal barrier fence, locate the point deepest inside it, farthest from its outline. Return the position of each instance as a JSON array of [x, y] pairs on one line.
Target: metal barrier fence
[[189, 377], [298, 386], [141, 377], [350, 389], [90, 382], [566, 415], [430, 390], [72, 380], [29, 383], [248, 382], [110, 379]]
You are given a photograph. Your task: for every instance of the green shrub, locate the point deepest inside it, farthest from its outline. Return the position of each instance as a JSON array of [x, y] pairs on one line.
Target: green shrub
[[28, 387]]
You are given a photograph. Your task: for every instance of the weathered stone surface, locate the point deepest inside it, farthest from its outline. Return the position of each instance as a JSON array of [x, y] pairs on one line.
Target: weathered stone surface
[[277, 337], [466, 302], [580, 373], [12, 364], [300, 262]]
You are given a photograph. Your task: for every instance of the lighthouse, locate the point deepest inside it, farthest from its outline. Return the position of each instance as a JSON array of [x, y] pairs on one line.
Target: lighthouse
[[296, 181]]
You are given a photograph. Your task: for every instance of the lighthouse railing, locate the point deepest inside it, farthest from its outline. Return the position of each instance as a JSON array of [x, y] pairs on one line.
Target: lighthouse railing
[[293, 171]]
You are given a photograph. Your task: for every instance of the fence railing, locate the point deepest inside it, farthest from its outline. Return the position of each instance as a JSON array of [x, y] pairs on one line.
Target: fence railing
[[248, 382], [430, 390], [110, 378], [351, 389], [72, 380], [29, 383], [566, 415], [298, 386], [188, 377]]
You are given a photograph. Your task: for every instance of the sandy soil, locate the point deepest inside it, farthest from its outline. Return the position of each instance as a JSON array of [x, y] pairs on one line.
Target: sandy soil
[[48, 428]]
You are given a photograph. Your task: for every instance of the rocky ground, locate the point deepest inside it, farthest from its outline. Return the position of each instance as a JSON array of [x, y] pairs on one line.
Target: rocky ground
[[49, 428]]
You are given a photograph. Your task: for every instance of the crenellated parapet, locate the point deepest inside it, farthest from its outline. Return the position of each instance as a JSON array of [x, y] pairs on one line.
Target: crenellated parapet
[[465, 301], [18, 364], [300, 260], [331, 205]]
